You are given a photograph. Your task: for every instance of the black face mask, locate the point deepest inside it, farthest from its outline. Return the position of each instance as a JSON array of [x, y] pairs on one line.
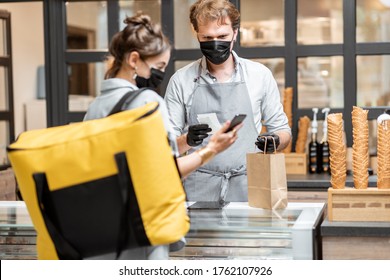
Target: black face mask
[[155, 79], [217, 52]]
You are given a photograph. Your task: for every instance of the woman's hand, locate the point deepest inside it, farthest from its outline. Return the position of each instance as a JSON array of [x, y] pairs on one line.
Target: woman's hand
[[222, 140], [219, 142]]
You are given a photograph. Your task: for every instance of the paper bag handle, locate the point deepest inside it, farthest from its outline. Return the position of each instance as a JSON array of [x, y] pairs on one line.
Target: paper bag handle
[[265, 145]]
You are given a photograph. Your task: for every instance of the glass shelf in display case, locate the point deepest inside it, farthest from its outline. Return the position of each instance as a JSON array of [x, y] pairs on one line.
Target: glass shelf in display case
[[242, 232]]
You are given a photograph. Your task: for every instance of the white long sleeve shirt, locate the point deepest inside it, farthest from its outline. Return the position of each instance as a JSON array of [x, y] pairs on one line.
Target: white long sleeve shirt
[[263, 93]]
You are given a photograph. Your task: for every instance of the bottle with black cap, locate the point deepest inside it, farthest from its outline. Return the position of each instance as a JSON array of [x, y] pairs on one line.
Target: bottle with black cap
[[314, 166], [324, 145]]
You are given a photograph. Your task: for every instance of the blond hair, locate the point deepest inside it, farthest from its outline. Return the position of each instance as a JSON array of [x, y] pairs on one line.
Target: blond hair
[[203, 11]]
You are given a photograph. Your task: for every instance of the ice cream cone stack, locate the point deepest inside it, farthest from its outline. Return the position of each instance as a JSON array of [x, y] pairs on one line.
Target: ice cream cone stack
[[383, 147], [287, 107], [338, 165], [303, 127], [360, 158]]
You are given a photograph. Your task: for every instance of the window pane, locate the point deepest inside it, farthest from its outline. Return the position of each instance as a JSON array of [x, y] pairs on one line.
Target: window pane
[[320, 82], [84, 81], [373, 83], [276, 65], [3, 39], [373, 21], [4, 136], [320, 22], [262, 23], [3, 89], [130, 8], [372, 131], [86, 25], [184, 34], [372, 136]]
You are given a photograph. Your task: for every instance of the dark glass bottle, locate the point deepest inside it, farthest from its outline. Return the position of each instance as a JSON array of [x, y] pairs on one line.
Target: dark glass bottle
[[313, 154], [325, 157], [325, 164]]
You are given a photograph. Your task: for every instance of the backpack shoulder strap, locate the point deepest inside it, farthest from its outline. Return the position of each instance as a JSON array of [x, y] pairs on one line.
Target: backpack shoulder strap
[[127, 98]]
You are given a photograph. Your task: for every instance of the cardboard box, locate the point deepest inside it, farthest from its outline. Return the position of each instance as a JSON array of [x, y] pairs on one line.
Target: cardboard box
[[296, 163], [359, 205]]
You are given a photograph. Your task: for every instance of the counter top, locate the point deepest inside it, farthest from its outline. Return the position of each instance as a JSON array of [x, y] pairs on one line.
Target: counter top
[[320, 182], [373, 229]]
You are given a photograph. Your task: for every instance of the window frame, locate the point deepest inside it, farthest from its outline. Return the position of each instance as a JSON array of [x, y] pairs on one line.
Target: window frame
[[8, 115]]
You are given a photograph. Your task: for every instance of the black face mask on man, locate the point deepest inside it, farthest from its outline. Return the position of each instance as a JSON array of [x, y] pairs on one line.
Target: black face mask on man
[[217, 52], [155, 79]]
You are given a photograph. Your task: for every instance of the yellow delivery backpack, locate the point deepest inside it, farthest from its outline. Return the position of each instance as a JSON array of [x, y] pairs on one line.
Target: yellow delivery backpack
[[101, 186]]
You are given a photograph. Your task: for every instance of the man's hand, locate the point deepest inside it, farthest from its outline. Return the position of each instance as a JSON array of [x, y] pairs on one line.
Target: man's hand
[[196, 134], [269, 138]]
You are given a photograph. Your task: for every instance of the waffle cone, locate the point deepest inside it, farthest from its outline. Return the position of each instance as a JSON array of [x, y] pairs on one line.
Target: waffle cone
[[287, 107], [383, 147], [303, 127], [360, 156], [287, 104], [338, 151]]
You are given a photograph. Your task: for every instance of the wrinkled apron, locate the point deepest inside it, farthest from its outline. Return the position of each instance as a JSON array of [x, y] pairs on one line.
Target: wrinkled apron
[[224, 178]]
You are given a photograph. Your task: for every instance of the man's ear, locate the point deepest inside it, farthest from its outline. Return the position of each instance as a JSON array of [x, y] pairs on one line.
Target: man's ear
[[235, 32], [132, 59]]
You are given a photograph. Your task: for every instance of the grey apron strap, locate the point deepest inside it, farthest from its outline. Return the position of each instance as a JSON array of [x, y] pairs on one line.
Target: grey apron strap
[[225, 178], [188, 102]]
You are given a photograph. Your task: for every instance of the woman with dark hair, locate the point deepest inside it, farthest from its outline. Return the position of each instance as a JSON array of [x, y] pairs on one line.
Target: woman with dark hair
[[140, 54]]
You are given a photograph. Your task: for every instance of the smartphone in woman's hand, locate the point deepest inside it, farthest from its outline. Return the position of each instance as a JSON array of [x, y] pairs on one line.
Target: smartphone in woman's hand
[[239, 118]]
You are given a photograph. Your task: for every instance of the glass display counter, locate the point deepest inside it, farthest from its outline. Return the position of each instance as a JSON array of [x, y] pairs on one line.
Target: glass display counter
[[234, 232], [242, 232], [17, 234]]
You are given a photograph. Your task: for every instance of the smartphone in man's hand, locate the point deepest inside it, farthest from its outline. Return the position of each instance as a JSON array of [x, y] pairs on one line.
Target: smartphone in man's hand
[[239, 118]]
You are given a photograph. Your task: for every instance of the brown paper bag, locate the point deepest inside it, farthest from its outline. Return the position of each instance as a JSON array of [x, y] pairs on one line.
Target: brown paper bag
[[267, 181]]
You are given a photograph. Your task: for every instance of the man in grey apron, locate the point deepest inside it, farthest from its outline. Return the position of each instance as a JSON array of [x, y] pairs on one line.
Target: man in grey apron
[[224, 84], [224, 178]]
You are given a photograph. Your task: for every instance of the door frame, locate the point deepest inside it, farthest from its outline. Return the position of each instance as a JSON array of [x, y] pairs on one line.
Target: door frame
[[6, 62]]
